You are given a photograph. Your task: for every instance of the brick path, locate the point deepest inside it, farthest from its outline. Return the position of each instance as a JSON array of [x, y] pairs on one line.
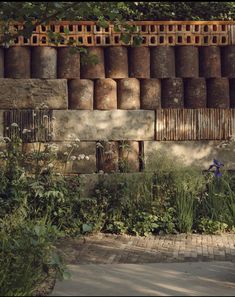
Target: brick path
[[108, 248]]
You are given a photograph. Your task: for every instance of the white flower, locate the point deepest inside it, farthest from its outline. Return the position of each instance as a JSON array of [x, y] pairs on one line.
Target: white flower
[[53, 147], [73, 158], [110, 152], [101, 171], [87, 158], [50, 165], [99, 145], [65, 153], [7, 128], [14, 125], [68, 145], [52, 134], [6, 139], [82, 156], [77, 140], [75, 145], [26, 131]]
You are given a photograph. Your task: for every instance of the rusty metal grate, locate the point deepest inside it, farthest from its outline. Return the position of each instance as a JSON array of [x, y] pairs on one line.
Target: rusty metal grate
[[195, 124], [38, 122]]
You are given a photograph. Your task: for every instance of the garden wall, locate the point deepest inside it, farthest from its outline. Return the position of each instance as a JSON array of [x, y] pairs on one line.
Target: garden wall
[[175, 91]]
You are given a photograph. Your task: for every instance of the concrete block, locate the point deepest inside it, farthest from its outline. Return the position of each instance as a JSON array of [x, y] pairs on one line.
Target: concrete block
[[150, 93], [68, 63], [44, 62], [172, 93], [210, 61], [195, 95], [116, 62], [81, 94], [218, 93], [92, 70], [104, 124], [31, 93], [198, 153], [107, 154], [187, 61], [1, 123], [139, 61], [1, 62], [17, 62], [162, 61], [129, 93], [105, 94], [129, 156], [228, 61], [232, 92]]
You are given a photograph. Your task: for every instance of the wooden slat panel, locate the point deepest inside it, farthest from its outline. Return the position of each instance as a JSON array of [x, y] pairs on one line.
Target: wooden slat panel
[[195, 124]]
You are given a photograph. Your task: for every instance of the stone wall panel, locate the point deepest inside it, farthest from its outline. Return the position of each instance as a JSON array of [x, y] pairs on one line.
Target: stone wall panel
[[32, 93], [104, 124]]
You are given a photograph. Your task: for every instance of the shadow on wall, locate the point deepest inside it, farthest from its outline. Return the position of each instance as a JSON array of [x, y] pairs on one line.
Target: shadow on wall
[[199, 153]]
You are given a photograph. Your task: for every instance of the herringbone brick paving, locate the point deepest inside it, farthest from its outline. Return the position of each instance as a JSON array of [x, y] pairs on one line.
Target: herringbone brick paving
[[109, 248]]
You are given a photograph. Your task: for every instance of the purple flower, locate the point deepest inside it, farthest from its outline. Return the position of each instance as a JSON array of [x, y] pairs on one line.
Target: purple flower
[[217, 165]]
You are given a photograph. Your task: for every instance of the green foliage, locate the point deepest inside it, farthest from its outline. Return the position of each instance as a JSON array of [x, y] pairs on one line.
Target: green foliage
[[209, 226], [218, 202], [116, 12], [26, 253]]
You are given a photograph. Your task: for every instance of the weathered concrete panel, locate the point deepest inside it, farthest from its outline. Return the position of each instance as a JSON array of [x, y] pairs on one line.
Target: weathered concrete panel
[[107, 124], [31, 93], [200, 153]]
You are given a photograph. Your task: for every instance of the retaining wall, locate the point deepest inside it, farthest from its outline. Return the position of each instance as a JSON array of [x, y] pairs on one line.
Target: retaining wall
[[171, 95]]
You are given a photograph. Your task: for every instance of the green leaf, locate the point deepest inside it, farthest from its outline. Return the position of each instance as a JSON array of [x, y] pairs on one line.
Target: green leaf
[[66, 275], [87, 227]]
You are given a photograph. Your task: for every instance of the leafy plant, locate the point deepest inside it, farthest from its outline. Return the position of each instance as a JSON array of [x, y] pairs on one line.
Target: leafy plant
[[209, 226], [26, 253]]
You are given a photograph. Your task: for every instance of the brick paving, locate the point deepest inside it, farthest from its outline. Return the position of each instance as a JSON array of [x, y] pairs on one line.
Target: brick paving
[[109, 248]]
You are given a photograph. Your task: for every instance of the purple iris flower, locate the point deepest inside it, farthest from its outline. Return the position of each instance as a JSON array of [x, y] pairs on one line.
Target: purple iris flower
[[217, 165]]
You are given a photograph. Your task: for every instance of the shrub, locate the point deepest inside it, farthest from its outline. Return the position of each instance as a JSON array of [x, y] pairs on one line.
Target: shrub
[[26, 253], [211, 227]]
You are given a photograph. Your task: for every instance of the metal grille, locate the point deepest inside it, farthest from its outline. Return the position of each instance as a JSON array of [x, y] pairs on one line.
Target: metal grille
[[38, 124]]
